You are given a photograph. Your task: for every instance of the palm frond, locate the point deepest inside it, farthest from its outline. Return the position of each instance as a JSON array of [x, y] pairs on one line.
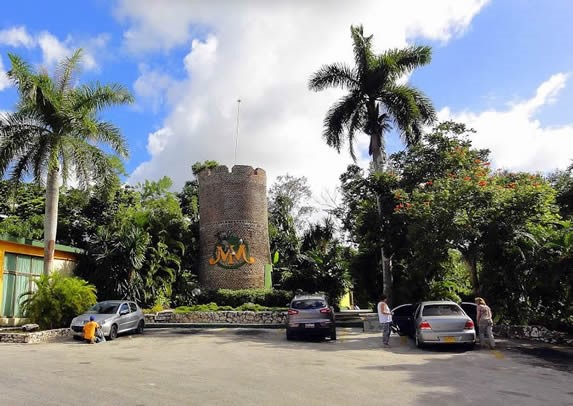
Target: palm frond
[[409, 109], [95, 97], [22, 75], [109, 134], [356, 123], [427, 112], [404, 60], [335, 75], [89, 163], [69, 67], [17, 134], [338, 118], [362, 47]]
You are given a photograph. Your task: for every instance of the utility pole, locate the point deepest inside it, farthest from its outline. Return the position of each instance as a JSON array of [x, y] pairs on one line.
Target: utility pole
[[237, 135]]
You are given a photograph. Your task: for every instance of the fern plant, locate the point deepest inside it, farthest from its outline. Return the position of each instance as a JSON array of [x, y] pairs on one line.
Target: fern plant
[[57, 299]]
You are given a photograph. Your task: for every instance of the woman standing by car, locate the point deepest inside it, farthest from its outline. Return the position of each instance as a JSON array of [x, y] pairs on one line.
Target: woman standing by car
[[485, 323]]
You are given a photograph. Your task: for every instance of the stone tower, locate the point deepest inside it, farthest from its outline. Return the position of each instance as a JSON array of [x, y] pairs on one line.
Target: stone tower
[[233, 224]]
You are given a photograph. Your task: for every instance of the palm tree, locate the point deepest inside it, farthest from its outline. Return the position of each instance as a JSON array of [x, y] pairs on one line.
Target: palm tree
[[376, 102], [56, 132]]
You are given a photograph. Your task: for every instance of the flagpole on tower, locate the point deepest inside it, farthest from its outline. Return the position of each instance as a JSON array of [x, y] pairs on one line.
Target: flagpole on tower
[[237, 135]]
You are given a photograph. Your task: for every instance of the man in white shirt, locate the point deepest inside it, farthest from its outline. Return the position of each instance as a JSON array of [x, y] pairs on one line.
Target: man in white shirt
[[385, 319]]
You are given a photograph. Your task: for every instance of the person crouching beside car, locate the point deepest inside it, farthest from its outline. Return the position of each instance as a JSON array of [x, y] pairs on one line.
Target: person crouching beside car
[[90, 331]]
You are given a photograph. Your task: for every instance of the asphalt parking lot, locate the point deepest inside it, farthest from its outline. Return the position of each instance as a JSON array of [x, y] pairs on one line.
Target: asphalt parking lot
[[258, 366]]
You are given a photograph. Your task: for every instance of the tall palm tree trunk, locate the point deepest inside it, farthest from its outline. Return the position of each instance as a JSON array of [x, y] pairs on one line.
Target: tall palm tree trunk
[[50, 220], [378, 161]]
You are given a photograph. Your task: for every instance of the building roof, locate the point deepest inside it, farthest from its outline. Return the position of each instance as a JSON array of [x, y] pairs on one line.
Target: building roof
[[36, 243]]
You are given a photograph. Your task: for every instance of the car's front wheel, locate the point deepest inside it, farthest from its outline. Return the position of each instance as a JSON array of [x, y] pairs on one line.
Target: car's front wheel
[[113, 332], [140, 327]]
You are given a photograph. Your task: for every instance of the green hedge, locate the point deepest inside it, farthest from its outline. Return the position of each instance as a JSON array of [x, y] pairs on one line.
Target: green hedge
[[237, 298], [213, 307]]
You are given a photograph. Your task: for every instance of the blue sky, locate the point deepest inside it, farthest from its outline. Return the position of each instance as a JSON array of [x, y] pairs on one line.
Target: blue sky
[[501, 66]]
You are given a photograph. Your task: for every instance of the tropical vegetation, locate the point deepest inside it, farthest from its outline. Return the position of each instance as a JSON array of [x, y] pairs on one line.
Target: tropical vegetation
[[441, 220], [376, 102], [55, 134], [57, 299]]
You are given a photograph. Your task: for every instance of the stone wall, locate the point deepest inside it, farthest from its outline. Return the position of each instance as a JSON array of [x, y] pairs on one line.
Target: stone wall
[[234, 238], [232, 317], [536, 333], [34, 337]]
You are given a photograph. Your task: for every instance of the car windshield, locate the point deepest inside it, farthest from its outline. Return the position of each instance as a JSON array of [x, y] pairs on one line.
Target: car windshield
[[104, 308], [442, 310], [308, 304]]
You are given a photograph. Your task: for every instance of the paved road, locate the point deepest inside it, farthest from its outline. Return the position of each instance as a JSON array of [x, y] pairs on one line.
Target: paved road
[[259, 367]]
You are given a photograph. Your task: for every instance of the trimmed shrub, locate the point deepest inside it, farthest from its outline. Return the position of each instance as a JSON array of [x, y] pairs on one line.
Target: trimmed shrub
[[57, 300], [209, 307], [213, 307], [236, 298]]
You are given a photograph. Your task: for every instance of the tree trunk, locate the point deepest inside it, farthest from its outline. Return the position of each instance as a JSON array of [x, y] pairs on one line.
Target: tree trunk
[[378, 166], [50, 220], [471, 260]]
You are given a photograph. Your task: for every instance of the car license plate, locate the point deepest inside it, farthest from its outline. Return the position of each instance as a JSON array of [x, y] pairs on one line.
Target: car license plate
[[309, 325], [449, 339]]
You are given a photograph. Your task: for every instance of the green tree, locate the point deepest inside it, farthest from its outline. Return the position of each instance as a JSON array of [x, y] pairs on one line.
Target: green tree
[[450, 199], [360, 223], [55, 132], [22, 209], [562, 181], [322, 264], [287, 199], [376, 102]]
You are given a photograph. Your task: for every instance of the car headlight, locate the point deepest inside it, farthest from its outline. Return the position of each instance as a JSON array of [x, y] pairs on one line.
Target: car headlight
[[104, 322]]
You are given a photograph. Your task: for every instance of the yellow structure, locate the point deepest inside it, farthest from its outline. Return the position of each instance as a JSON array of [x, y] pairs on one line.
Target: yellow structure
[[346, 301], [21, 261]]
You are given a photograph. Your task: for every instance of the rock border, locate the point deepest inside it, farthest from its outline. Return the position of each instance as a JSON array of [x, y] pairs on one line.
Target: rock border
[[34, 337], [228, 317]]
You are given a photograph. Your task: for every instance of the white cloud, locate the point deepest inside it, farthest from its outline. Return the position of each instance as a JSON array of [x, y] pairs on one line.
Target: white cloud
[[516, 139], [16, 37], [53, 49], [202, 57], [264, 53], [4, 82], [153, 87], [157, 141]]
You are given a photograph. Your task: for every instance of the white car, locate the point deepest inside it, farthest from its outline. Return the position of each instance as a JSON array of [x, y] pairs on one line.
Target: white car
[[114, 317]]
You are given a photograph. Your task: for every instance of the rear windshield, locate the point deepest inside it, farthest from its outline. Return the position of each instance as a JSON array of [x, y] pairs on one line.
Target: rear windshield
[[104, 308], [308, 304], [442, 310]]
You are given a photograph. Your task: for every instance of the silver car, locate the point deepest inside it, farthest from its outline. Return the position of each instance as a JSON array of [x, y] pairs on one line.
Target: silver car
[[310, 315], [443, 322], [114, 317]]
